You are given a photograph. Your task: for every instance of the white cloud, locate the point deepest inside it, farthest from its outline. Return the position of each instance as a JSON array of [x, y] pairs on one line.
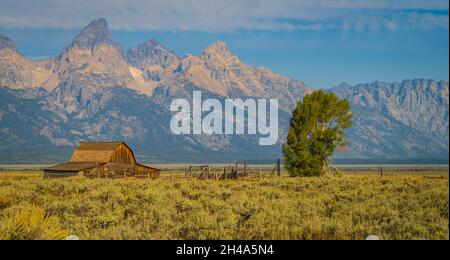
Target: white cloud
[[228, 15]]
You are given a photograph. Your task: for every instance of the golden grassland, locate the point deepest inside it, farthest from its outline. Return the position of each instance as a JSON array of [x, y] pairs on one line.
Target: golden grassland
[[179, 174], [329, 207], [15, 174]]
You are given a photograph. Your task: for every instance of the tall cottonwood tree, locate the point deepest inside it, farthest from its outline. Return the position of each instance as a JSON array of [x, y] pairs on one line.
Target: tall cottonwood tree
[[318, 127]]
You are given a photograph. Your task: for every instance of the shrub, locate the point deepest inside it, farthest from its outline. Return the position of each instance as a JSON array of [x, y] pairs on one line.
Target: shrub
[[30, 223]]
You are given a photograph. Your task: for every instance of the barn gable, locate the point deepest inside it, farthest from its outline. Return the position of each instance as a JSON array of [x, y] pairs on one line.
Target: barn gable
[[105, 152]]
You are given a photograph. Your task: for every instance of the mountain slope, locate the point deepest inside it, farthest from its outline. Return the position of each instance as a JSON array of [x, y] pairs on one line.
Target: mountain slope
[[96, 91], [18, 72], [217, 71], [407, 119], [93, 60]]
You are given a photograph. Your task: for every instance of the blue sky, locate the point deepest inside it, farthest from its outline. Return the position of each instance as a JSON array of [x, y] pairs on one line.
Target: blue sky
[[320, 42]]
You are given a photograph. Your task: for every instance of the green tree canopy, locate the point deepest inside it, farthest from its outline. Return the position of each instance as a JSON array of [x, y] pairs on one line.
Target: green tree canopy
[[318, 127]]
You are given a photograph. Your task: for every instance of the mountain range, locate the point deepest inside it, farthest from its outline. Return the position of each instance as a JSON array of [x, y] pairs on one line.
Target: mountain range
[[97, 91]]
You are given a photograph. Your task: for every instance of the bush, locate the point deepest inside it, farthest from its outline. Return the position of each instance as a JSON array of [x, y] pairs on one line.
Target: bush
[[30, 223]]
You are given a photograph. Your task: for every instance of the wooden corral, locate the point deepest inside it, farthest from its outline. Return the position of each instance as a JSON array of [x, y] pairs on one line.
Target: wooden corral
[[232, 171], [218, 173], [102, 160]]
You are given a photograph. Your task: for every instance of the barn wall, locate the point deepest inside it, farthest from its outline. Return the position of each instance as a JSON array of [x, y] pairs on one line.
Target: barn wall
[[56, 174], [123, 154], [146, 172]]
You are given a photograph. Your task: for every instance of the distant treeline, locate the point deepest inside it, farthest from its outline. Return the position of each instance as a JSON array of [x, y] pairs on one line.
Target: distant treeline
[[385, 161]]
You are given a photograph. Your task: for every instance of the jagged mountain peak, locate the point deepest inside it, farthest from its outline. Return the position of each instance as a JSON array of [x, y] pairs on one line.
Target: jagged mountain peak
[[343, 85], [6, 43], [418, 84], [18, 72], [93, 60], [100, 22], [217, 49], [153, 59], [152, 43], [423, 83], [95, 33], [149, 49], [418, 103]]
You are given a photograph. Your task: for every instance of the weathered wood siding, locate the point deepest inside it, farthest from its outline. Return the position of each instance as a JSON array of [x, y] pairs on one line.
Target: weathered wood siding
[[142, 171], [57, 174], [123, 154]]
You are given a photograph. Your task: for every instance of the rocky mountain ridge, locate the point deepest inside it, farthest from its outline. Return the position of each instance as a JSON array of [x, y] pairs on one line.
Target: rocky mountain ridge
[[95, 90]]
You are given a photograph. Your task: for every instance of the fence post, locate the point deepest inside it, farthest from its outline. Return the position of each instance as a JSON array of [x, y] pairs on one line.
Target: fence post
[[245, 169], [279, 167]]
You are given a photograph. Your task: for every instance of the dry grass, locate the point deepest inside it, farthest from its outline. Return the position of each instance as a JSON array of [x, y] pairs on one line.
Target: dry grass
[[15, 174], [387, 174], [341, 207], [179, 174]]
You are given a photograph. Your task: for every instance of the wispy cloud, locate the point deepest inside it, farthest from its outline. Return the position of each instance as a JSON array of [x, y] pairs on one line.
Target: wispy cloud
[[226, 15]]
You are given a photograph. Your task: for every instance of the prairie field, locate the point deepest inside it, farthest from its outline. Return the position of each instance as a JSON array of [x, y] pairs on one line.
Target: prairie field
[[328, 207]]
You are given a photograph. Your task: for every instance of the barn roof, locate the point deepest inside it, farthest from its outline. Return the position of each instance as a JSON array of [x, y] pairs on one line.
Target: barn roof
[[148, 167], [72, 166], [99, 146], [95, 151]]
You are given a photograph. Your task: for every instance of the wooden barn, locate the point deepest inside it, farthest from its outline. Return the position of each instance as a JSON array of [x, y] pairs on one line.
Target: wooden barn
[[102, 160]]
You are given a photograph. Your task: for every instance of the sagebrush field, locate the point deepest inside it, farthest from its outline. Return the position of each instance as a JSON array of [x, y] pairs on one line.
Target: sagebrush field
[[329, 207]]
